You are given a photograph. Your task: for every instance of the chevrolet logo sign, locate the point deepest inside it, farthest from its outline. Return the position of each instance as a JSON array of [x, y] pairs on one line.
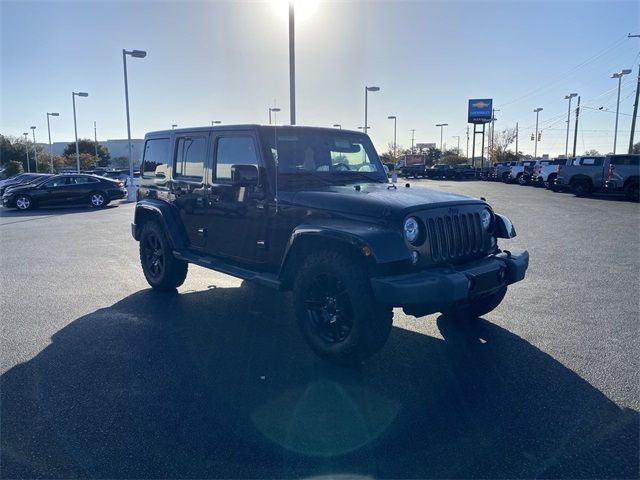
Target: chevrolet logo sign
[[479, 105]]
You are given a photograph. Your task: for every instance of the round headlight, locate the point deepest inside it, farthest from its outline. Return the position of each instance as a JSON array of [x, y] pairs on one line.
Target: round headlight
[[485, 217], [411, 229]]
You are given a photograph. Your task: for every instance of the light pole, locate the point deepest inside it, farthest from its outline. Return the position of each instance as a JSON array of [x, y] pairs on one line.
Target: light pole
[[619, 76], [95, 140], [49, 131], [26, 147], [215, 122], [292, 62], [274, 110], [366, 94], [458, 137], [337, 125], [441, 125], [535, 148], [395, 121], [566, 145], [75, 124], [35, 150], [413, 138], [131, 192]]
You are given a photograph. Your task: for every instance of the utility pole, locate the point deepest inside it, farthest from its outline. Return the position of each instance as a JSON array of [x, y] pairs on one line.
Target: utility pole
[[493, 127], [635, 110], [413, 132], [575, 133], [467, 141], [635, 105], [292, 63], [95, 140], [517, 156]]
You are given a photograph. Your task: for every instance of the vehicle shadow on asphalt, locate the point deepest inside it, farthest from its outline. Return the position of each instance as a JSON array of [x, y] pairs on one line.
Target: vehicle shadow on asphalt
[[219, 383], [50, 211]]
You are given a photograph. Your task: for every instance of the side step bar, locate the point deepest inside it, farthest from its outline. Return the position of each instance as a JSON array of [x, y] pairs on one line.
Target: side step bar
[[267, 279]]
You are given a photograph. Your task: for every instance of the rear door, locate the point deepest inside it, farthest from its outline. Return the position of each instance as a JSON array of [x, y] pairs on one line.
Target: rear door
[[79, 189], [187, 187], [623, 167]]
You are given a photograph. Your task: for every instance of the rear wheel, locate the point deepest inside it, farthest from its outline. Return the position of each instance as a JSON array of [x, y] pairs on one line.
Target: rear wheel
[[98, 199], [336, 311], [24, 202], [632, 193], [550, 181], [580, 188], [161, 269]]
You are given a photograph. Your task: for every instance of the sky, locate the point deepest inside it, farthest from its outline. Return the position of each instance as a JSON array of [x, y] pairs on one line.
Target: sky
[[229, 61]]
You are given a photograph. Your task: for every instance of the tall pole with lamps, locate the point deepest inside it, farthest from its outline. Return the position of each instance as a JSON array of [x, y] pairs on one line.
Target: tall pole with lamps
[[441, 125], [535, 148], [75, 124], [395, 121], [619, 76], [366, 106], [35, 150], [566, 144], [131, 191], [292, 62], [26, 147]]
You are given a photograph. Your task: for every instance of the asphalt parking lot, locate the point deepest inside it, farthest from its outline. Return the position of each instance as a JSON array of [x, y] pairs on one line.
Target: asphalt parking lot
[[101, 377]]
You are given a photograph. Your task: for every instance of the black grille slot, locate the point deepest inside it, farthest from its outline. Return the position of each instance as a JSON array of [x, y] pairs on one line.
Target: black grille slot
[[454, 236]]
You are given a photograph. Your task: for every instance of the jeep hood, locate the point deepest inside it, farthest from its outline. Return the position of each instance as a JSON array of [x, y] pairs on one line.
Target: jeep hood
[[376, 199]]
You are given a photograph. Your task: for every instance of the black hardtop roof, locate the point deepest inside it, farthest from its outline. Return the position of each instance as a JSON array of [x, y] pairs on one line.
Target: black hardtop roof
[[249, 126]]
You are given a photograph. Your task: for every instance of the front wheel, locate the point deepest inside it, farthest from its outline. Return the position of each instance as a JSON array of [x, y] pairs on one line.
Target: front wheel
[[161, 269], [24, 202], [632, 192], [580, 188], [336, 311]]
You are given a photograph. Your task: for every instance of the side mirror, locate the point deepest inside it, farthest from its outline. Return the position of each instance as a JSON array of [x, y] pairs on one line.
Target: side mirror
[[244, 175]]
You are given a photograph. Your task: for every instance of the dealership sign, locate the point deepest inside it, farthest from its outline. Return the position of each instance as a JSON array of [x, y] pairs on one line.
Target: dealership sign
[[480, 110], [425, 145]]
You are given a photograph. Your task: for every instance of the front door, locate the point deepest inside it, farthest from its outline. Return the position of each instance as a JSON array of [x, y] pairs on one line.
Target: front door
[[237, 216], [55, 191]]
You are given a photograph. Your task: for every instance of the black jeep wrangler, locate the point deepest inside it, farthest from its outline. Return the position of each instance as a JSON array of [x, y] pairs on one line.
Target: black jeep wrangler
[[311, 210]]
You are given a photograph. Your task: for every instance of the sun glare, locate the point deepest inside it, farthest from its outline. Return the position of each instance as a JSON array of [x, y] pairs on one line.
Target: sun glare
[[304, 9]]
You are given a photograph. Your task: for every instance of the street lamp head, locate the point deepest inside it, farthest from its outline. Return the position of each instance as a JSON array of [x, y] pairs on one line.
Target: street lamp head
[[174, 125], [275, 109], [391, 117], [337, 125], [539, 109], [570, 96], [373, 89], [442, 124], [32, 127], [25, 134], [81, 94], [138, 53], [53, 114], [216, 122]]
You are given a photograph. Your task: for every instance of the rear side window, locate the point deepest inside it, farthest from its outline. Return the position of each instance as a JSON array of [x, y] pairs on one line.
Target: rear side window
[[632, 160], [155, 156], [591, 161], [236, 150], [190, 155]]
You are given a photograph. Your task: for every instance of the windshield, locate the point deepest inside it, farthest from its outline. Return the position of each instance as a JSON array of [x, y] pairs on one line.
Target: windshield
[[331, 157]]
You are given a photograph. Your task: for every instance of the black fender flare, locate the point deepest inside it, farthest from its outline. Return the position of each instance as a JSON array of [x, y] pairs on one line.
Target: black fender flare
[[165, 214], [377, 244]]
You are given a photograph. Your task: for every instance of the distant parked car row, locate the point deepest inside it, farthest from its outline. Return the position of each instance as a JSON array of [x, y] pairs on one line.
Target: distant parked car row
[[28, 190], [582, 175], [437, 171]]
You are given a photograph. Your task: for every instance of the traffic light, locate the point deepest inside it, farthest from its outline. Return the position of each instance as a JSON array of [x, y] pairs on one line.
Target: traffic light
[[539, 136], [532, 137]]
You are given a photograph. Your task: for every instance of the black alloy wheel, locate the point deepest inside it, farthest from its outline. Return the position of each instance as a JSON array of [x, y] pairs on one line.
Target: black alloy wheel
[[329, 309]]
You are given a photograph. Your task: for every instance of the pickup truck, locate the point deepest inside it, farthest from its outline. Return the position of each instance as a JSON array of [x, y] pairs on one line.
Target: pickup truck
[[522, 172], [613, 173], [464, 172], [545, 175], [500, 171]]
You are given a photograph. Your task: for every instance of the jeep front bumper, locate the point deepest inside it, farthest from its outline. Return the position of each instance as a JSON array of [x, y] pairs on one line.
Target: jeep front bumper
[[436, 289]]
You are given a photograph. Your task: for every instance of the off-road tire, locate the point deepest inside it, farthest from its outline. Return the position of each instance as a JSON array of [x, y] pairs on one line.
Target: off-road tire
[[162, 270], [480, 306], [364, 323], [580, 188], [550, 179], [632, 193]]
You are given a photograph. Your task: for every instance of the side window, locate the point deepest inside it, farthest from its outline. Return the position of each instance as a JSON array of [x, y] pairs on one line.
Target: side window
[[591, 161], [236, 150], [632, 160], [155, 156], [190, 156], [57, 182], [79, 180]]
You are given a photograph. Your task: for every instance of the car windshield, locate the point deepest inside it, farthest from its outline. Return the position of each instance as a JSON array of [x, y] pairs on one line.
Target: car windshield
[[338, 157]]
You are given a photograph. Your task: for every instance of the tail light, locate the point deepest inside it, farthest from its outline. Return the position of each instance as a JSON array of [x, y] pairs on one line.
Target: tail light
[[612, 169], [558, 169], [120, 184]]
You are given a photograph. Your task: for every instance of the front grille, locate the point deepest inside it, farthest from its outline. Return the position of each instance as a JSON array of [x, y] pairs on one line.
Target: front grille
[[455, 236]]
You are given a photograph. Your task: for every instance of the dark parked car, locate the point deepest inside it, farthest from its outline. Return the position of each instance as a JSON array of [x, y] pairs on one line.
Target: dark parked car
[[64, 189], [463, 172], [311, 210], [22, 179]]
